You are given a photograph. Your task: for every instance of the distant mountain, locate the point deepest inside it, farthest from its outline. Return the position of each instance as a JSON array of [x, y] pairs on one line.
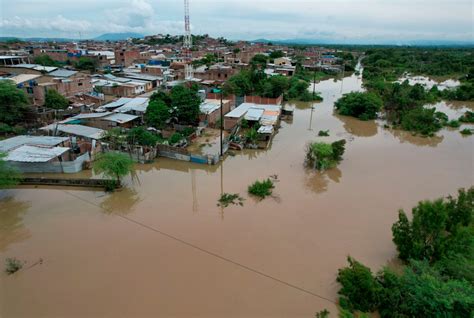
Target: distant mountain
[[7, 38], [118, 36]]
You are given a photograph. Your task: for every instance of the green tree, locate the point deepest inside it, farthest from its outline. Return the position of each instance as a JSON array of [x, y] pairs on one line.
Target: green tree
[[8, 176], [113, 165], [13, 103], [186, 102], [276, 54], [45, 60], [55, 100], [259, 61], [360, 105], [141, 136], [421, 120], [360, 289], [86, 64], [157, 114]]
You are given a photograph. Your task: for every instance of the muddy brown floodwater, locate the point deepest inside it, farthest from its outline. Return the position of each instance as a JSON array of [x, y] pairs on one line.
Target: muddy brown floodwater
[[162, 248]]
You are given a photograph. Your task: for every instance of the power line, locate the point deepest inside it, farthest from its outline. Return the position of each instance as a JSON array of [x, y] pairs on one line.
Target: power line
[[206, 251]]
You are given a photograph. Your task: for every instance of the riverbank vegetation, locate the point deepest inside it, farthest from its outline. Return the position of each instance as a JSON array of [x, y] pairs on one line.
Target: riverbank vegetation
[[323, 156], [437, 248], [361, 105], [262, 189], [114, 165], [404, 104], [255, 82]]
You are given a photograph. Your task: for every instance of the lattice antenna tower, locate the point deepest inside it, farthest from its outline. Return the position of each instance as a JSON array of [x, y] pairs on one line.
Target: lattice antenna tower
[[188, 44]]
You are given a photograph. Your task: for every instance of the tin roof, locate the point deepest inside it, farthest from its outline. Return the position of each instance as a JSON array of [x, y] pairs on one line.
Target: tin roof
[[138, 104], [21, 78], [14, 142], [35, 153], [120, 118], [76, 130], [62, 73], [254, 114], [119, 102]]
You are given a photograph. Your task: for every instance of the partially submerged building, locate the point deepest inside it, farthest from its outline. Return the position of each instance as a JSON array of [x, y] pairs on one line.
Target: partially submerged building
[[44, 154]]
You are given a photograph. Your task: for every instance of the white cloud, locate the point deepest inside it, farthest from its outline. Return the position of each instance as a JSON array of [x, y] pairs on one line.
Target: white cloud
[[247, 19]]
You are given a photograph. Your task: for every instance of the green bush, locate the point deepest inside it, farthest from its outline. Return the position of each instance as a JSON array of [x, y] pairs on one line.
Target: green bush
[[175, 138], [12, 265], [360, 105], [360, 288], [466, 131], [453, 124], [421, 120], [261, 189], [227, 198], [468, 117], [323, 133], [323, 156]]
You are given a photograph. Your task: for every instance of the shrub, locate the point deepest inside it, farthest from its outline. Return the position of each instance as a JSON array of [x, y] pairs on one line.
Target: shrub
[[466, 131], [360, 105], [13, 265], [453, 124], [114, 165], [261, 189], [323, 156], [323, 133], [226, 199], [468, 117], [359, 288], [175, 138], [421, 120]]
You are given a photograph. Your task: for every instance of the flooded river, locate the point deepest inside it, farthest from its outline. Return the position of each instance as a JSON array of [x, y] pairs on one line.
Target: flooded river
[[162, 248]]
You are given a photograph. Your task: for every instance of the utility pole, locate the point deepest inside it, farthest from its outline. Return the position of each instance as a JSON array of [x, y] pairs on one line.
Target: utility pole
[[222, 123]]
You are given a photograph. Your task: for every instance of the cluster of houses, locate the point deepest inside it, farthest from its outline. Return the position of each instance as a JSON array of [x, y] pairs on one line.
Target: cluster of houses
[[115, 94]]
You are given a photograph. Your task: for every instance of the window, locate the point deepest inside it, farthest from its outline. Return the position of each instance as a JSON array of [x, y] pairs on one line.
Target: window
[[79, 84]]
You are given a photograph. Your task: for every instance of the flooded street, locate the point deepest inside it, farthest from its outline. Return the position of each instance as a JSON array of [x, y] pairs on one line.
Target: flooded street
[[162, 248]]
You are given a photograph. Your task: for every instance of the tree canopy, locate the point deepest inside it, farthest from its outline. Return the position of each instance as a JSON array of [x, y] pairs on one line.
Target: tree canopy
[[437, 279], [114, 165], [13, 103], [45, 60], [360, 105], [55, 100], [157, 114]]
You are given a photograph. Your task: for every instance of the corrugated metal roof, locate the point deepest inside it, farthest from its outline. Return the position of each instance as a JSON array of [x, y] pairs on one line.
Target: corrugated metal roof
[[254, 114], [62, 73], [21, 78], [265, 130], [76, 130], [243, 108], [14, 142], [269, 120], [37, 67], [120, 102], [86, 116], [121, 118], [35, 153], [138, 104], [209, 108]]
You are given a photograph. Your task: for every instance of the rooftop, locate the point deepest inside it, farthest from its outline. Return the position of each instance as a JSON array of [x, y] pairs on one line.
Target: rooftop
[[21, 78], [35, 153], [14, 142], [76, 130], [62, 73]]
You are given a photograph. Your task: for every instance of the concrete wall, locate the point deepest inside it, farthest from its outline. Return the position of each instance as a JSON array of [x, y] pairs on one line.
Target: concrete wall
[[51, 167]]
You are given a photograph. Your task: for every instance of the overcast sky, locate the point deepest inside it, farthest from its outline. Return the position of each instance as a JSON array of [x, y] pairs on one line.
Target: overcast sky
[[367, 20]]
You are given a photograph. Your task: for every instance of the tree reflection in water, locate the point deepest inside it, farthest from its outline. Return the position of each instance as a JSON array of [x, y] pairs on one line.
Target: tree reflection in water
[[357, 127], [406, 136], [120, 202], [318, 181], [12, 229]]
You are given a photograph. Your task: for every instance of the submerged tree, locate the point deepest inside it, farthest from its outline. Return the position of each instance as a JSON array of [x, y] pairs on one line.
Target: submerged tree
[[323, 156], [113, 165], [8, 176]]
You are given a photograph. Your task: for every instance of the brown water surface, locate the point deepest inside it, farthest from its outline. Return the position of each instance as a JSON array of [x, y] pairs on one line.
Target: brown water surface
[[162, 248]]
